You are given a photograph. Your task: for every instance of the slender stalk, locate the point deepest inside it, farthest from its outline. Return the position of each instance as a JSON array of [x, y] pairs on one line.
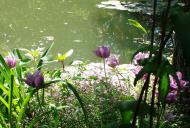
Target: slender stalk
[[10, 100], [140, 99], [146, 93], [63, 65], [153, 27], [105, 70], [38, 98], [43, 94], [162, 45], [152, 102], [163, 30], [118, 77]]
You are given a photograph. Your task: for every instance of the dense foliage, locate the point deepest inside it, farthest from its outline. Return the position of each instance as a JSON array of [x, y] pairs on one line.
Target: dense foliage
[[34, 96]]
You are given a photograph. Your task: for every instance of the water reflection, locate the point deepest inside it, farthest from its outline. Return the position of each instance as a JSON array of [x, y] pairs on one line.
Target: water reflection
[[76, 24]]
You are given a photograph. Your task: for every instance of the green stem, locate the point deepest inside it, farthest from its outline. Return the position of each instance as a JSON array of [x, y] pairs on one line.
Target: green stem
[[38, 98], [10, 101], [24, 104], [43, 93], [105, 70], [140, 99], [152, 102], [118, 80]]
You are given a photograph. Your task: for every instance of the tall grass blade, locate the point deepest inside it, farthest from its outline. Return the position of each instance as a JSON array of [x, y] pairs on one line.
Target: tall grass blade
[[10, 101], [55, 117], [70, 86], [24, 104]]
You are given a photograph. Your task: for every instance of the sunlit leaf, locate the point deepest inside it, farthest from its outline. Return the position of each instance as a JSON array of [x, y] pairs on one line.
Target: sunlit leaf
[[71, 87], [163, 87], [137, 25]]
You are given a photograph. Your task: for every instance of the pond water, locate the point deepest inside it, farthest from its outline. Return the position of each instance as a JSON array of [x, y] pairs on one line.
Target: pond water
[[76, 24]]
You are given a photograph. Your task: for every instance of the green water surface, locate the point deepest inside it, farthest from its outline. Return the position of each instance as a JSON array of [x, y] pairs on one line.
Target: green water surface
[[76, 24]]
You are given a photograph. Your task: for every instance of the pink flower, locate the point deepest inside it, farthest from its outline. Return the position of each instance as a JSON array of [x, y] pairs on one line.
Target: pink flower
[[139, 57], [183, 83], [137, 70], [113, 61], [11, 61], [173, 83], [179, 75]]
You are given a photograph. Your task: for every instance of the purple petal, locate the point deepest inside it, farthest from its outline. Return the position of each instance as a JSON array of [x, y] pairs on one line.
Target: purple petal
[[113, 61], [179, 75], [183, 83], [11, 61], [171, 97], [103, 52], [29, 79], [97, 52], [39, 81], [37, 73]]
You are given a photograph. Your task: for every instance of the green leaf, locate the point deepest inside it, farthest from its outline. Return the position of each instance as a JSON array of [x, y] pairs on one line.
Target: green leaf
[[127, 109], [55, 117], [70, 86], [40, 63], [127, 116], [137, 25], [3, 122], [24, 104], [163, 87], [4, 102]]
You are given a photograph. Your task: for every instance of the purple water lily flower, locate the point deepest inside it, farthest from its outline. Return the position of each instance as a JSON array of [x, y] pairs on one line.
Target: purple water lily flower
[[102, 51], [171, 97], [35, 80], [113, 61], [11, 61]]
